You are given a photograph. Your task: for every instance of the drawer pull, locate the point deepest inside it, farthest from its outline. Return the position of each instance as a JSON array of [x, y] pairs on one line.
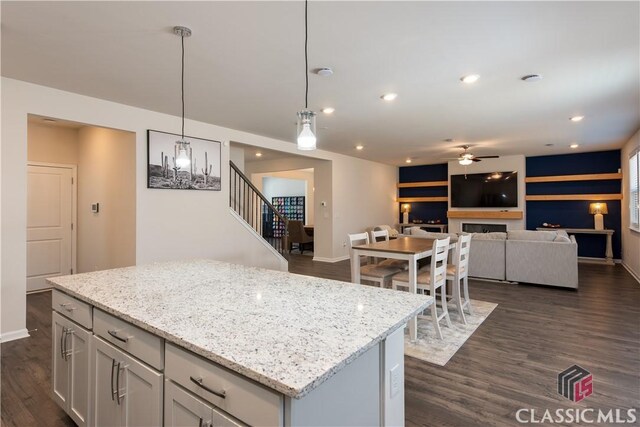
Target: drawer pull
[[221, 394], [116, 336]]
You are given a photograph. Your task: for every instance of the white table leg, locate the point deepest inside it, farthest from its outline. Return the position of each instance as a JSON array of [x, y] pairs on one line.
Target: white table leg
[[355, 267], [609, 253], [413, 288]]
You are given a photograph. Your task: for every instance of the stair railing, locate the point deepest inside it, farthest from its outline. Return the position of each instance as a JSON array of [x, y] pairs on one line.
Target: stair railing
[[250, 204]]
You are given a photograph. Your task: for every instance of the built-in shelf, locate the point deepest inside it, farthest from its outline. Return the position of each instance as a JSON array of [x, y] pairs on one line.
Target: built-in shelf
[[423, 184], [583, 177], [560, 197], [422, 199], [485, 214]]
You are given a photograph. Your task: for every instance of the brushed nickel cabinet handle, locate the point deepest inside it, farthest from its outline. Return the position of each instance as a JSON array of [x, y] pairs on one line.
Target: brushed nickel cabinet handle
[[118, 383], [113, 365], [114, 333], [221, 394], [67, 353], [62, 335]]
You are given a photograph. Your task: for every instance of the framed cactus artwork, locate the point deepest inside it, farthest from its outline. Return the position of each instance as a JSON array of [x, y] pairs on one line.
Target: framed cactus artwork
[[192, 166]]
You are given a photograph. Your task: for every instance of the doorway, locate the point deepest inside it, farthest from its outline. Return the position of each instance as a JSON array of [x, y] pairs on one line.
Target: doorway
[[51, 219]]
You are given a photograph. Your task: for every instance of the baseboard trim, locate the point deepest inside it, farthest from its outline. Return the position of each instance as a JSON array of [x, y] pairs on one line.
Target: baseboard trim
[[594, 260], [14, 335], [331, 260], [633, 273]]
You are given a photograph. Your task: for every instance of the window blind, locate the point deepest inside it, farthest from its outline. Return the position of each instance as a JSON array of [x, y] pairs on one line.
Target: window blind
[[634, 191]]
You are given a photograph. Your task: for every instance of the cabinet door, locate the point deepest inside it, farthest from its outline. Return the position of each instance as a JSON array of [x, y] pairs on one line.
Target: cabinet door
[[79, 345], [105, 408], [140, 388], [182, 409], [59, 364]]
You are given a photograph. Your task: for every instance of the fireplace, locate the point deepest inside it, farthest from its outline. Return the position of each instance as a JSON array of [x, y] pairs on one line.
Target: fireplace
[[484, 228]]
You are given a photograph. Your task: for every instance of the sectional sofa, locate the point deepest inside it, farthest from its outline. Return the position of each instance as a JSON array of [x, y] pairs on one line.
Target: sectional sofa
[[540, 257]]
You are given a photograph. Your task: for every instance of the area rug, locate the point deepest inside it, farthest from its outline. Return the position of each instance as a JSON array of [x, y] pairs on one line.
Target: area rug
[[431, 349]]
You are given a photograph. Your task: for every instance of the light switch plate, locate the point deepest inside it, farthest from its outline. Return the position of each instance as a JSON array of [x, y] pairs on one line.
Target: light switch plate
[[95, 207]]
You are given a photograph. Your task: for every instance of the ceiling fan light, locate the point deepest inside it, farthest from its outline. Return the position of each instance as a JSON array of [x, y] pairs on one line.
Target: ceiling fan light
[[465, 161]]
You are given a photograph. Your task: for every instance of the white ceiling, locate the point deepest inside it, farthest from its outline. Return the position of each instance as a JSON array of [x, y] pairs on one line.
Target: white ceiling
[[245, 69]]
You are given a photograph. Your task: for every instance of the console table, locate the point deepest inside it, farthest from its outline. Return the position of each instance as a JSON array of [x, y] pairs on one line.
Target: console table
[[441, 227], [607, 233]]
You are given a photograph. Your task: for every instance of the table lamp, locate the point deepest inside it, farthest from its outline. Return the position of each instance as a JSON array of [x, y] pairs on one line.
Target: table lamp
[[597, 210], [406, 208]]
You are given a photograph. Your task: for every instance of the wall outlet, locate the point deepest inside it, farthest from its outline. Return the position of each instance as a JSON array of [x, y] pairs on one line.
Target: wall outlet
[[395, 375], [344, 243]]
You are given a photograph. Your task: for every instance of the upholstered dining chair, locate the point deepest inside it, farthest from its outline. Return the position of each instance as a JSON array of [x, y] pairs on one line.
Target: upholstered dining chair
[[430, 279], [299, 236], [370, 271]]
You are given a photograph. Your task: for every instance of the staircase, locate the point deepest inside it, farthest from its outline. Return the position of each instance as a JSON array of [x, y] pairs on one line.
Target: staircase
[[249, 203]]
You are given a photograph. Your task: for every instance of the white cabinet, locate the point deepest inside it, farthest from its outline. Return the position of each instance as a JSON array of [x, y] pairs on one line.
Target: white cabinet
[[183, 409], [70, 367], [125, 392]]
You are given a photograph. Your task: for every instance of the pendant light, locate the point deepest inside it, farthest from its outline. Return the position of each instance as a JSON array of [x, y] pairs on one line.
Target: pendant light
[[306, 118], [182, 147]]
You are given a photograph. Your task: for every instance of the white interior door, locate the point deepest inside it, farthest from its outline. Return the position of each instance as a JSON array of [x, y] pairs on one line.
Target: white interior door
[[50, 213]]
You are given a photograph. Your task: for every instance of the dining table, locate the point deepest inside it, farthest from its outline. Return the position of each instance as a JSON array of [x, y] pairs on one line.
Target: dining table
[[410, 249]]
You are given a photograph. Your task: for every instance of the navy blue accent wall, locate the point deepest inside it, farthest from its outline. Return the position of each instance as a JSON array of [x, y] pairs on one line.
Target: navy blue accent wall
[[425, 211], [575, 214]]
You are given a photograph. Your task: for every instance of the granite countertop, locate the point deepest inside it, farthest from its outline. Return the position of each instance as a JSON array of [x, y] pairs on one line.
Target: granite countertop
[[286, 331]]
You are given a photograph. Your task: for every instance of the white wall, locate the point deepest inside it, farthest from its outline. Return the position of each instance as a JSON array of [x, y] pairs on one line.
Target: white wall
[[630, 238], [106, 175], [171, 224], [52, 144], [502, 164]]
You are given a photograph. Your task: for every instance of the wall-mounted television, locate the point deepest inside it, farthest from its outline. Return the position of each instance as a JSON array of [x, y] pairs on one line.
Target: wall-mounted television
[[485, 190]]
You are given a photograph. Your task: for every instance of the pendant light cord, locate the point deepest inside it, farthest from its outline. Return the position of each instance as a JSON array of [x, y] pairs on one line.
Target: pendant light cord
[[306, 60], [182, 85]]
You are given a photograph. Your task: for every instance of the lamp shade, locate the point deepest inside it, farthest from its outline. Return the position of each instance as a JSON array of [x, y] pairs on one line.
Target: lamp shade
[[406, 208], [598, 208]]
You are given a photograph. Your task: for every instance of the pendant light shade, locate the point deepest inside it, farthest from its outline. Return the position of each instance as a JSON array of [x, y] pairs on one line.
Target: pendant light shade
[[306, 118], [306, 130], [182, 147]]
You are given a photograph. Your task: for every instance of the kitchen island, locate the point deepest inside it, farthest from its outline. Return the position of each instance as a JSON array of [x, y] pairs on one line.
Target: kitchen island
[[207, 343]]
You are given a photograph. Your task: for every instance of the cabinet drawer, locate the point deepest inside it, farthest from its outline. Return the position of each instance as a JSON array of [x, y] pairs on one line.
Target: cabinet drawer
[[144, 345], [246, 400], [72, 308]]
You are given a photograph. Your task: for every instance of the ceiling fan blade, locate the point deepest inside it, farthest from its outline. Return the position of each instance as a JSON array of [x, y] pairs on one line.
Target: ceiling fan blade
[[476, 159], [487, 157]]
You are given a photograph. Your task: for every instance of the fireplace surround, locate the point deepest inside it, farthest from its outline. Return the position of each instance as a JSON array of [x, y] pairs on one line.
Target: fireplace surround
[[483, 228]]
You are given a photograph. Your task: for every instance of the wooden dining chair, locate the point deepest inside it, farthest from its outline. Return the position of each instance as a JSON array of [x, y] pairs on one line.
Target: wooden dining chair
[[430, 279], [458, 275], [383, 235], [370, 271]]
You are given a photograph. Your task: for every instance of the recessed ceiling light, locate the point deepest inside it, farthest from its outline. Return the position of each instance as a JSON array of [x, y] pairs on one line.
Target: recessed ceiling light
[[576, 118], [328, 110], [258, 154], [389, 96], [531, 78], [359, 147], [408, 161], [574, 146], [324, 71], [471, 78]]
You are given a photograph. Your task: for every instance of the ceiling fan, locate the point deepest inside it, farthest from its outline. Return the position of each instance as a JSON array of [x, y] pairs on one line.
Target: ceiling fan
[[466, 158]]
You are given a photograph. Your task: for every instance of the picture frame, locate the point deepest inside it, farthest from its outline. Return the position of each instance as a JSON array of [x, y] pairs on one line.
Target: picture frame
[[202, 174]]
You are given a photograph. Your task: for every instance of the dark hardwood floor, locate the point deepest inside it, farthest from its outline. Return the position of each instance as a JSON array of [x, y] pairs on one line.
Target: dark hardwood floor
[[510, 362]]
